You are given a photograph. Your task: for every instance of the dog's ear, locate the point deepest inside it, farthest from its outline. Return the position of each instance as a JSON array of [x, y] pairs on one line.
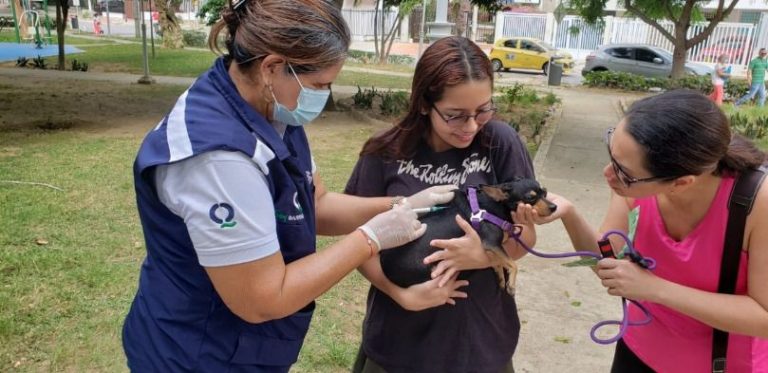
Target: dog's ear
[[497, 194]]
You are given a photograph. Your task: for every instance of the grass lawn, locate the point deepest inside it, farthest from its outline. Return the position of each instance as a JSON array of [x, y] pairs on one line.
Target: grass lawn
[[69, 260], [127, 58]]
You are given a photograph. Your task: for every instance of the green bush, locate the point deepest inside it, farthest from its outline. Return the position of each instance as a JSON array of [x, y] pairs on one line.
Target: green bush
[[633, 82], [736, 88], [622, 80], [751, 127], [701, 83], [369, 57], [363, 99], [79, 66], [551, 99], [522, 95], [394, 103], [39, 63], [194, 38]]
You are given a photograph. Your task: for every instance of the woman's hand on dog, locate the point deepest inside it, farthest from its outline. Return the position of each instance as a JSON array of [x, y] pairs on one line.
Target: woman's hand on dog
[[431, 294], [525, 214], [436, 195], [458, 254]]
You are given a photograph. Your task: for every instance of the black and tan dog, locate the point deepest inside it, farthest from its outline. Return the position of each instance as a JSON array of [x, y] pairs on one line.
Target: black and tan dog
[[404, 265]]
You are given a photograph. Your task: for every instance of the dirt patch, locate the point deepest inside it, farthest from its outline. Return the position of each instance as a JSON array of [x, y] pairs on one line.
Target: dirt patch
[[47, 104]]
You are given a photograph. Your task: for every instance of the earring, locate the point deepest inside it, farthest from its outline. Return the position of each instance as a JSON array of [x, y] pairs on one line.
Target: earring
[[268, 94]]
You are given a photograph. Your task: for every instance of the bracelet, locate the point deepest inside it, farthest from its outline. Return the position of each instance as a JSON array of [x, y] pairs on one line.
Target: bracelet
[[370, 243], [395, 200]]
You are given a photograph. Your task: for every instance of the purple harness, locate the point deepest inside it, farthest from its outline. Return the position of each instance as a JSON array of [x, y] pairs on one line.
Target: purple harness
[[514, 231], [479, 214]]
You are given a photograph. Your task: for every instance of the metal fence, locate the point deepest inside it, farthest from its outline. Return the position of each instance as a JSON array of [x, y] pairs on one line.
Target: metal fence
[[361, 22], [738, 40], [526, 25], [575, 33]]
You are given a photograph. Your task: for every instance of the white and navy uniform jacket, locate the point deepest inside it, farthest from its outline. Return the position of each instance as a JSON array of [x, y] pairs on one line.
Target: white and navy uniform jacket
[[177, 321]]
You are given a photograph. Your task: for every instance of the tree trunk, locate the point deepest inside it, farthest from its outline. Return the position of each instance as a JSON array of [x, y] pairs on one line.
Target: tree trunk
[[169, 24], [391, 37], [376, 29], [19, 11], [330, 105], [62, 11], [680, 49]]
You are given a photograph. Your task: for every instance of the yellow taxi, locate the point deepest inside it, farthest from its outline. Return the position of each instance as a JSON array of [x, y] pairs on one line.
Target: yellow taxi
[[527, 53]]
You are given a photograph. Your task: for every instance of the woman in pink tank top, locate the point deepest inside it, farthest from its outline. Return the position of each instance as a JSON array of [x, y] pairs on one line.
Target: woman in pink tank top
[[672, 165]]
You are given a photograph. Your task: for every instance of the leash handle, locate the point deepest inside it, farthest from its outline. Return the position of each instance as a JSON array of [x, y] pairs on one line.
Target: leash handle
[[606, 249]]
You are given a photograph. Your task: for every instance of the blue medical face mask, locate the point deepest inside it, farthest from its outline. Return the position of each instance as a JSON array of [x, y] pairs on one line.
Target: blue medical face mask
[[308, 106]]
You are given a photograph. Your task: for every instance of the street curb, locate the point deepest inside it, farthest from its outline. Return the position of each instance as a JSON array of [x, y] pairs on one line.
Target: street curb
[[553, 123]]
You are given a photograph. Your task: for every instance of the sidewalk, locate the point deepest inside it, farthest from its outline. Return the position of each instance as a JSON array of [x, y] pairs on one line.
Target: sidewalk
[[559, 305]]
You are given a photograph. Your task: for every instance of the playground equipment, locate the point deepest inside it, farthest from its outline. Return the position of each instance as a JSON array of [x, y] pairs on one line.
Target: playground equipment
[[28, 21]]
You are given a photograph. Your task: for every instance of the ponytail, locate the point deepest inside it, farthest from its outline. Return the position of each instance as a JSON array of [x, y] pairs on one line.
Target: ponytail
[[742, 155]]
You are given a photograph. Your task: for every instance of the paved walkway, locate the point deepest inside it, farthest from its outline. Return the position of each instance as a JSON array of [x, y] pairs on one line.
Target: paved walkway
[[566, 302]]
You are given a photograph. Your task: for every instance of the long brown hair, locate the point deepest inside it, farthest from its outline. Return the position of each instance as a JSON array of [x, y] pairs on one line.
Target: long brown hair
[[448, 62], [310, 34], [684, 133]]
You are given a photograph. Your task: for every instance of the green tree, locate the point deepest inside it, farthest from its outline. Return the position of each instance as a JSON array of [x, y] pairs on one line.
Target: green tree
[[682, 13], [210, 12]]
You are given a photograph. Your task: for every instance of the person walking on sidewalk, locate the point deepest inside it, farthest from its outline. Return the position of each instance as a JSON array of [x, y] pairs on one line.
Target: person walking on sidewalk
[[230, 201], [720, 75], [673, 163], [448, 134], [756, 75]]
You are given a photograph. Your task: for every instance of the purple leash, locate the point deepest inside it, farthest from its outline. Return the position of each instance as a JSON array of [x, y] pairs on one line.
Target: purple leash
[[514, 231]]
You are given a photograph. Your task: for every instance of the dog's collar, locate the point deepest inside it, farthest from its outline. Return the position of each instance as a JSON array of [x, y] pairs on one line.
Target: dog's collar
[[478, 214]]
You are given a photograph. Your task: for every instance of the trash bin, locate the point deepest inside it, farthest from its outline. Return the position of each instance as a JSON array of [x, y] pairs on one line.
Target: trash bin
[[555, 73], [75, 25]]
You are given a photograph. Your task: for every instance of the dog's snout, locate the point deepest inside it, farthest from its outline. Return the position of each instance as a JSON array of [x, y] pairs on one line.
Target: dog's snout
[[545, 207], [551, 206]]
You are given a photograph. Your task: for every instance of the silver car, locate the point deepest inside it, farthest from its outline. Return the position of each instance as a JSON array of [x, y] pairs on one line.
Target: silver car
[[638, 59]]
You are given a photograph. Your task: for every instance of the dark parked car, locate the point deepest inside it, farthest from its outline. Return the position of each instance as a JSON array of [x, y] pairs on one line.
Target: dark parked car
[[638, 59], [115, 6]]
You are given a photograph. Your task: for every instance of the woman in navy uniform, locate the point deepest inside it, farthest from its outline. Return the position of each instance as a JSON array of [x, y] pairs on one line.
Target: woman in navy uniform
[[230, 202]]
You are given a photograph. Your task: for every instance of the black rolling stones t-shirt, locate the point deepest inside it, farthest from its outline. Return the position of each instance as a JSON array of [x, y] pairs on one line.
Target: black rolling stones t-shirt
[[478, 334]]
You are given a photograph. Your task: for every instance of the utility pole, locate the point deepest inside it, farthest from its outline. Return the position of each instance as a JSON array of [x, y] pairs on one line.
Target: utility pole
[[146, 79], [421, 31]]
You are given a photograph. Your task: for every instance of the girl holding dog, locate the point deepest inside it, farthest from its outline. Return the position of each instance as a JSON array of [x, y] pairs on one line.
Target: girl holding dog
[[449, 135], [673, 160], [230, 201]]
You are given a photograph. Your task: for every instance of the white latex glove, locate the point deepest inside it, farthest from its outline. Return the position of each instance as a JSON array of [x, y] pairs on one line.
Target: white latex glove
[[431, 196], [394, 227]]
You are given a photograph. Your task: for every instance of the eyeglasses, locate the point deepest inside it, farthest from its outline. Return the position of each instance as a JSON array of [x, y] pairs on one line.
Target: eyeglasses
[[481, 117], [620, 173]]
